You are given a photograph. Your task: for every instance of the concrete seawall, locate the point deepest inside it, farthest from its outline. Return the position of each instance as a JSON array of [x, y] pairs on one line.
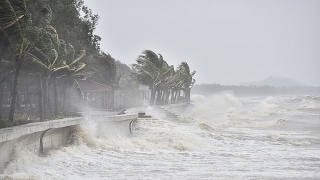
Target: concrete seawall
[[174, 111], [43, 136]]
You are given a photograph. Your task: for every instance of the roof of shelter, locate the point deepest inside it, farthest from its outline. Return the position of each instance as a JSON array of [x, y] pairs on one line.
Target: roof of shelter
[[92, 86]]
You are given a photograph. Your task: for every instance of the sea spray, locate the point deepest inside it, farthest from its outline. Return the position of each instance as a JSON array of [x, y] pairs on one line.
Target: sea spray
[[215, 109], [310, 104], [282, 145], [21, 159], [85, 134], [268, 107], [166, 136]]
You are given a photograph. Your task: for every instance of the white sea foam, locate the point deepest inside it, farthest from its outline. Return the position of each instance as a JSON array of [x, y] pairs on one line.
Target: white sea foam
[[21, 160], [229, 138], [309, 104], [197, 98], [215, 108]]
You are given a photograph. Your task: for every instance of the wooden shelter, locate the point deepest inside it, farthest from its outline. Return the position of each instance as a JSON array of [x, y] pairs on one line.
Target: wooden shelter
[[96, 95]]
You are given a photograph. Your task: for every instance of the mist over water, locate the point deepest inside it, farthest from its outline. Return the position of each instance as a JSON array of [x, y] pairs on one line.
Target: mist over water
[[224, 137]]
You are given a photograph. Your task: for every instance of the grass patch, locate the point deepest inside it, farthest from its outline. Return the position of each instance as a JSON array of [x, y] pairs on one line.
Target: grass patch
[[62, 117], [3, 123], [19, 119]]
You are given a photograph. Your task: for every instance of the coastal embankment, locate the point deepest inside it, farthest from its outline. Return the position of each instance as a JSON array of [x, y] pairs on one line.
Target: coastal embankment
[[42, 136]]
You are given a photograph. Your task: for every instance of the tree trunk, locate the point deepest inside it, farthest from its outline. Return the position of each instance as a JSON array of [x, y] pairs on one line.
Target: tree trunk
[[18, 102], [32, 101], [64, 102], [15, 87], [174, 99], [2, 85], [158, 101], [112, 99], [27, 96], [163, 96], [49, 108], [167, 96], [26, 102], [45, 98], [56, 98], [172, 96], [187, 94], [69, 105], [41, 109], [152, 97]]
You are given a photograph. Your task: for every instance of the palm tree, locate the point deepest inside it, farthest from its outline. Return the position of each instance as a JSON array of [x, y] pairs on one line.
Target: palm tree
[[176, 86], [163, 82], [105, 70], [147, 72], [187, 79], [62, 53], [51, 66], [153, 71], [69, 71], [21, 34], [169, 84], [45, 56], [6, 69]]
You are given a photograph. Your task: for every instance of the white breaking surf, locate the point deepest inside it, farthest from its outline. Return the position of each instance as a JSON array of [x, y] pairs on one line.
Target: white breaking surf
[[226, 138]]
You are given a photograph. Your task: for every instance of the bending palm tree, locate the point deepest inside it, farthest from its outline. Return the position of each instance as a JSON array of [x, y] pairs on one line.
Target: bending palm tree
[[147, 72], [21, 35], [105, 70], [187, 79], [153, 71]]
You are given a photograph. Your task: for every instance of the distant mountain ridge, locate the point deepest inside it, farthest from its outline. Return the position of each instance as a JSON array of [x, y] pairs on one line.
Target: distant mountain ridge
[[275, 81]]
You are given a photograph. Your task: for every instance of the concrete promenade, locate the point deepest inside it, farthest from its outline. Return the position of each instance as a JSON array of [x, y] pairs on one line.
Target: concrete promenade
[[42, 136]]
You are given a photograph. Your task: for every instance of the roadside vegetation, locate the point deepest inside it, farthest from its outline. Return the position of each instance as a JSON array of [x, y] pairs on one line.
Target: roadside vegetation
[[46, 47], [162, 79]]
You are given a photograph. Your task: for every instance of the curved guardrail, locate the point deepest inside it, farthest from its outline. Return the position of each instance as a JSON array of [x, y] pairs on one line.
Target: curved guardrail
[[131, 124], [42, 136]]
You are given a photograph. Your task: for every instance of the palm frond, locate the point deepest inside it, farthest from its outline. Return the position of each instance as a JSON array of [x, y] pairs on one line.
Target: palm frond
[[36, 52], [80, 67], [12, 15], [78, 59], [36, 62]]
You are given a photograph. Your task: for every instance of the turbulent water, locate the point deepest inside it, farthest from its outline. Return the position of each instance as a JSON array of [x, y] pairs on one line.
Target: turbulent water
[[220, 137]]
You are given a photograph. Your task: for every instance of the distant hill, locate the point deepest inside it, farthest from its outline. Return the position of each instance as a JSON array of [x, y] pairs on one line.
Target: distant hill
[[275, 81]]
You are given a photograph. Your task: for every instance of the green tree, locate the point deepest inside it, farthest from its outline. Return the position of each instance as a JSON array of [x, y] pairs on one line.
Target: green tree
[[146, 71], [187, 79], [21, 30], [6, 69], [76, 23], [45, 56], [153, 71], [71, 70], [104, 70]]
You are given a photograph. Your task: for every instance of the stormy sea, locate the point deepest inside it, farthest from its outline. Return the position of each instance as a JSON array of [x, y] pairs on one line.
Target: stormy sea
[[217, 137]]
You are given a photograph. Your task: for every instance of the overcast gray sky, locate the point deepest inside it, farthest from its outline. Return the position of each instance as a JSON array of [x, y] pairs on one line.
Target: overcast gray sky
[[225, 41]]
